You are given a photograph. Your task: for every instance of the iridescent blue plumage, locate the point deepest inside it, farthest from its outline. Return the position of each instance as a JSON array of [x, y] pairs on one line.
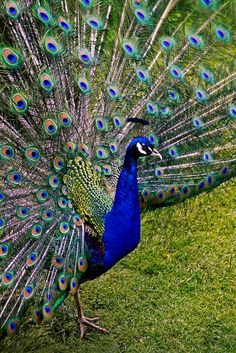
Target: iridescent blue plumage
[[122, 223]]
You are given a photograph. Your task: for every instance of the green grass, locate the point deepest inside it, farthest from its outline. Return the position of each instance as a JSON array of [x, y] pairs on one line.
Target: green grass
[[174, 294]]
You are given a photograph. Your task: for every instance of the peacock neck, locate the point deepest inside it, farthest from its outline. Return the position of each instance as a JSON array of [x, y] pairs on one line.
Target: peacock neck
[[122, 224], [127, 186]]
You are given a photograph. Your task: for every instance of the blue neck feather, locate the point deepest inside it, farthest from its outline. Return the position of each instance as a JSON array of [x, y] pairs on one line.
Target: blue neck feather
[[122, 223]]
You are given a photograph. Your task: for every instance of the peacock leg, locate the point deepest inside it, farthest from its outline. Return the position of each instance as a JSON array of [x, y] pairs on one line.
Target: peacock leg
[[85, 322]]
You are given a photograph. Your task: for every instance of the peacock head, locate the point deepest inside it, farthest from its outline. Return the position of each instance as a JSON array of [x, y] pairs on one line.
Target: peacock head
[[141, 147]]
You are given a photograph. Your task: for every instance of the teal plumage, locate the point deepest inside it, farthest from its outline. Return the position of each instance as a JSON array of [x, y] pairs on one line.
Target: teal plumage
[[80, 79]]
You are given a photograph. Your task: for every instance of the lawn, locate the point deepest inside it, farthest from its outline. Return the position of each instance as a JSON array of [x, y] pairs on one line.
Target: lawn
[[175, 294]]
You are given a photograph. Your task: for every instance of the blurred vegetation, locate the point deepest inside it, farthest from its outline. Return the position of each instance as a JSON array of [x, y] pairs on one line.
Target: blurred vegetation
[[175, 294]]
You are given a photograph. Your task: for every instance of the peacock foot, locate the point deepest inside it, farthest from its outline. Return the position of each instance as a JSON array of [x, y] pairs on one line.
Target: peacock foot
[[89, 322], [84, 321]]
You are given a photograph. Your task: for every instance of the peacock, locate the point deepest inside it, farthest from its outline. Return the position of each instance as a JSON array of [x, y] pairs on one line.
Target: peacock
[[107, 108]]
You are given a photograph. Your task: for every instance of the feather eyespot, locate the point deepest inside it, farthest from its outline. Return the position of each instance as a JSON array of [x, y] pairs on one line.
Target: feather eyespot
[[152, 108], [12, 9], [102, 124], [107, 170], [64, 24], [42, 195], [208, 3], [74, 285], [70, 147], [2, 196], [207, 157], [186, 190], [65, 190], [14, 178], [101, 153], [113, 147], [50, 127], [130, 49], [32, 154], [11, 58], [85, 57], [202, 184], [207, 75], [62, 282], [50, 296], [62, 203], [64, 228], [36, 231], [173, 95], [87, 3], [44, 15], [201, 95], [12, 327], [167, 43], [54, 181], [84, 85], [137, 3], [64, 119], [7, 152], [94, 22], [20, 103], [28, 292], [142, 16], [2, 224], [222, 34], [46, 81], [84, 149], [37, 316], [58, 262], [97, 169], [143, 74], [7, 278], [32, 259], [47, 311], [4, 250], [159, 197], [210, 180], [159, 172], [176, 72], [77, 220], [82, 264], [197, 122], [224, 171], [173, 152], [195, 41], [232, 111], [166, 111], [153, 139], [145, 194], [52, 46], [118, 122], [113, 92], [172, 190], [22, 212], [47, 215]]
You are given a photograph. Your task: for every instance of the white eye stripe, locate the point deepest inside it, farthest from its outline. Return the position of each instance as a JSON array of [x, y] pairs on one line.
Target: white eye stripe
[[140, 148]]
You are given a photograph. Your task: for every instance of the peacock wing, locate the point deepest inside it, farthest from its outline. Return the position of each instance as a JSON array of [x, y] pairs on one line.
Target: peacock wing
[[87, 193]]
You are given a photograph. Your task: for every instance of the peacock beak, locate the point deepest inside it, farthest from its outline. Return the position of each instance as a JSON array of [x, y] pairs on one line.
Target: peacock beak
[[156, 153]]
